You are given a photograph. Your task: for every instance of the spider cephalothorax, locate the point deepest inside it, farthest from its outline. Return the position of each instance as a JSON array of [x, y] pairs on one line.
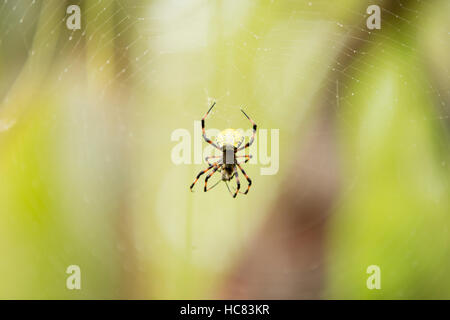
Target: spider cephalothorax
[[229, 143]]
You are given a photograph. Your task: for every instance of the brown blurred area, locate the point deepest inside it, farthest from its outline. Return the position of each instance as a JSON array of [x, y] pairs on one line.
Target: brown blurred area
[[285, 259]]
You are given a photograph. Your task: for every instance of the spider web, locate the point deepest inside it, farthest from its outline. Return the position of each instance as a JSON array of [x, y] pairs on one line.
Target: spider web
[[158, 66]]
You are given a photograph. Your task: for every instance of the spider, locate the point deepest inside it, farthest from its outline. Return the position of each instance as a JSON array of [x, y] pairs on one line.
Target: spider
[[229, 143]]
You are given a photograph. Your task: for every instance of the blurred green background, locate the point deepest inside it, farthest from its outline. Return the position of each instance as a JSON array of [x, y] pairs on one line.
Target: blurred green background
[[86, 118]]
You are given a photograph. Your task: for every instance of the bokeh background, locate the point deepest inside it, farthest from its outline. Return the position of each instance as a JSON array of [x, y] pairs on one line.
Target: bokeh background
[[86, 175]]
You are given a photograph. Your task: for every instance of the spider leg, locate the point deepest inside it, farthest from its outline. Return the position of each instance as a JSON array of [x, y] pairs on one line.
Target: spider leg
[[249, 181], [211, 157], [240, 142], [238, 184], [200, 174], [203, 128], [248, 144], [247, 157], [209, 176]]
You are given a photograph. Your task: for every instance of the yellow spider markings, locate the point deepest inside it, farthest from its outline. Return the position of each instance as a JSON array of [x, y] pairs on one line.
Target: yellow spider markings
[[229, 137]]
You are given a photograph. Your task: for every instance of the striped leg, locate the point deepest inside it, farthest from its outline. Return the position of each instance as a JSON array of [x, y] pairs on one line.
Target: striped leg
[[248, 144], [238, 184], [247, 158], [203, 128], [246, 177], [200, 174], [209, 176], [211, 157]]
